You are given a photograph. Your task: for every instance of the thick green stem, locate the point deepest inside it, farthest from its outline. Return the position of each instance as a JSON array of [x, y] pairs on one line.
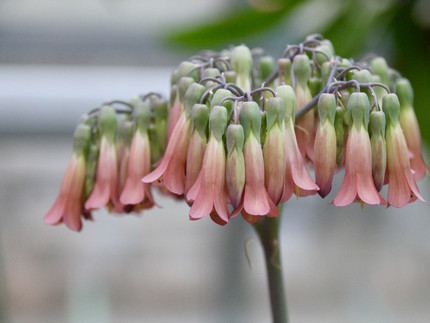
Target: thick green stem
[[268, 231]]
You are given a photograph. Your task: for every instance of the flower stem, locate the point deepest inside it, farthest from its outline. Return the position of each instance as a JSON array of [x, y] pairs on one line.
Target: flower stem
[[268, 232]]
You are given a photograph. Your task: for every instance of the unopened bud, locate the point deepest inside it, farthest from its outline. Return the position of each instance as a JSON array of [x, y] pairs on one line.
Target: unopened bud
[[250, 118], [108, 122], [200, 118], [218, 121], [287, 94], [284, 66], [380, 68], [193, 96], [358, 109], [378, 146], [391, 108], [302, 69]]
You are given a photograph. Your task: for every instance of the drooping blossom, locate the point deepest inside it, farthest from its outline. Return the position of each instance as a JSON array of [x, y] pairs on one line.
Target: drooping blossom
[[358, 183], [135, 192], [171, 169], [105, 190], [325, 144], [297, 179], [402, 188], [411, 130], [68, 207], [377, 124], [235, 164], [207, 193]]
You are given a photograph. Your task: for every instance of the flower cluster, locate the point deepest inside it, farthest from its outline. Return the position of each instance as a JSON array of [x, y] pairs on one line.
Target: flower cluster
[[239, 132]]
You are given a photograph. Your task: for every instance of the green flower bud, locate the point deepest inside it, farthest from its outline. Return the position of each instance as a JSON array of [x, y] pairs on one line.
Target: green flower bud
[[378, 147], [363, 76], [339, 128], [287, 94], [142, 115], [184, 70], [108, 122], [173, 94], [267, 66], [250, 118], [91, 168], [161, 111], [275, 110], [326, 48], [200, 118], [210, 72], [325, 73], [327, 108], [358, 109], [241, 63], [380, 68], [218, 121], [302, 69], [391, 108], [219, 96], [284, 66], [125, 132], [377, 123], [193, 96], [183, 85], [230, 76], [234, 137], [81, 139], [315, 85], [405, 92]]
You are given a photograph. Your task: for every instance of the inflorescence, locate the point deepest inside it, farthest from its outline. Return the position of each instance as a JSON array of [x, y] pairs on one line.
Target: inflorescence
[[240, 128]]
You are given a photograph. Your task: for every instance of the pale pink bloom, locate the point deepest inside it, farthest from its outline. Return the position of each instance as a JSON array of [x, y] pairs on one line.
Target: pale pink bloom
[[297, 178], [136, 192], [195, 155], [305, 127], [174, 115], [67, 207], [208, 191], [402, 187], [105, 190], [171, 169], [358, 183], [411, 131]]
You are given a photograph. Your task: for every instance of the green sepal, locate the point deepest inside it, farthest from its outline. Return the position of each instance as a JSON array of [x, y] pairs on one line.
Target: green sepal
[[210, 72], [193, 96], [108, 122], [284, 67], [358, 109], [380, 68], [241, 61], [377, 123], [325, 73], [339, 128], [363, 76], [230, 76], [287, 94], [405, 92], [161, 111], [302, 69], [218, 121], [125, 132], [200, 118], [235, 137], [185, 70], [183, 85], [142, 115], [326, 48], [315, 85], [220, 95], [327, 108], [267, 66], [250, 118], [81, 139], [173, 94], [275, 110], [391, 108]]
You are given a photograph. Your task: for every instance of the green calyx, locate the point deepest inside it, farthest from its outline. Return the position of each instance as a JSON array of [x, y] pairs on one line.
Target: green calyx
[[391, 108], [358, 109], [267, 66], [193, 96], [327, 108], [339, 128], [91, 168], [81, 138], [125, 131], [377, 123], [108, 122], [183, 85], [218, 121], [220, 95], [404, 92], [250, 118], [284, 66], [327, 49], [302, 69], [315, 85], [235, 137], [200, 118], [287, 94], [241, 61], [380, 68], [275, 110], [161, 110], [185, 69]]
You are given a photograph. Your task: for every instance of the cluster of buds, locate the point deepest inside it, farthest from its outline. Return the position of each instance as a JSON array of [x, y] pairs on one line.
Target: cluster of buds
[[239, 132]]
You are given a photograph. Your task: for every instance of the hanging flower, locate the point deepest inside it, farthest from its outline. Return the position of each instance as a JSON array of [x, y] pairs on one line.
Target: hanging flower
[[68, 206]]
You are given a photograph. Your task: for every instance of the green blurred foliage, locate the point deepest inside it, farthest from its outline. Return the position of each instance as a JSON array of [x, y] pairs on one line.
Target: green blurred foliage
[[396, 29]]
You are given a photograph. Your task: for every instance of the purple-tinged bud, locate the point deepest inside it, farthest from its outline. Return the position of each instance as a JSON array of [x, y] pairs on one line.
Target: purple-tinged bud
[[197, 145], [274, 149], [325, 144], [241, 63], [411, 130], [284, 66], [339, 127], [380, 68], [192, 96], [379, 151], [402, 188], [235, 163]]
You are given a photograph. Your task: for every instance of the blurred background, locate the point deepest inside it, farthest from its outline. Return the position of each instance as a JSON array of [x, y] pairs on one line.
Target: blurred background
[[59, 59]]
